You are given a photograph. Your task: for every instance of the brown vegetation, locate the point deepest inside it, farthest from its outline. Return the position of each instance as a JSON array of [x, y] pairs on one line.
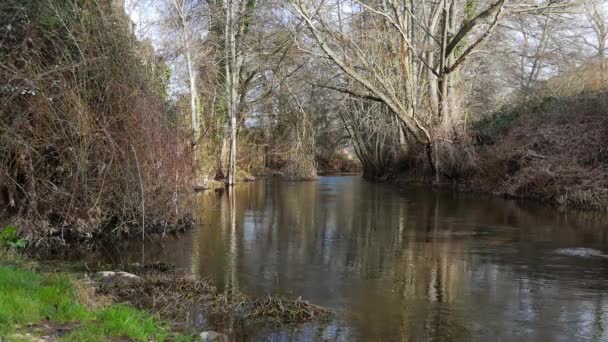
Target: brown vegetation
[[91, 143], [87, 145], [176, 296], [559, 155], [338, 164], [551, 149]]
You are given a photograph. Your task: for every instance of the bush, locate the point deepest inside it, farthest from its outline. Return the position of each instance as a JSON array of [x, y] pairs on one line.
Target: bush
[[555, 153], [86, 142], [491, 127], [10, 238]]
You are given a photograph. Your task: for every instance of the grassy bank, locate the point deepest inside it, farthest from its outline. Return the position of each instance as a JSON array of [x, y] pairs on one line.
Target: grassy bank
[[153, 303], [59, 305]]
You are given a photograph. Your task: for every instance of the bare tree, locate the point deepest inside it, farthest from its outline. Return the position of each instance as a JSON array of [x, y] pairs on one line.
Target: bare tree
[[405, 54], [185, 14], [597, 17], [238, 15]]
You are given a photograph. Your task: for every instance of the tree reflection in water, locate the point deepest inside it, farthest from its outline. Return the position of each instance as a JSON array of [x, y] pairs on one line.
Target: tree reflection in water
[[410, 264]]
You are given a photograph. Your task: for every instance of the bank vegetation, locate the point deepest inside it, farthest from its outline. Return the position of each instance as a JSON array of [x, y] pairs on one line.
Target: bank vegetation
[[88, 141], [112, 113]]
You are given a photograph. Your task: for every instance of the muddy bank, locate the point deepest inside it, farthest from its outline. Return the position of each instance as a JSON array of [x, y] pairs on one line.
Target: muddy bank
[[189, 302], [74, 241]]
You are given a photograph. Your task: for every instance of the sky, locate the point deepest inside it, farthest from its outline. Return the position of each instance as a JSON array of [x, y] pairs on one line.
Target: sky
[[145, 15]]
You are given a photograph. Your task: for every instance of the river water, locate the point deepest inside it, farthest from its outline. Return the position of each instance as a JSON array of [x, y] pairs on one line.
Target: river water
[[408, 264]]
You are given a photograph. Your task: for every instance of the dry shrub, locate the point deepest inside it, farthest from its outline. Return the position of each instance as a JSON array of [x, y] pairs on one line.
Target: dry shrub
[[455, 155], [452, 152], [559, 155], [85, 133], [299, 156], [300, 166], [87, 295], [337, 162], [293, 149]]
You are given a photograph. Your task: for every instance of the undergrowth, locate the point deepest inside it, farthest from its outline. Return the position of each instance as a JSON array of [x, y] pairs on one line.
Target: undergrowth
[[552, 149], [88, 142], [492, 126], [549, 148]]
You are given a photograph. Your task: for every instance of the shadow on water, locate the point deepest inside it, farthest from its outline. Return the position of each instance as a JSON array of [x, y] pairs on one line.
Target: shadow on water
[[400, 264]]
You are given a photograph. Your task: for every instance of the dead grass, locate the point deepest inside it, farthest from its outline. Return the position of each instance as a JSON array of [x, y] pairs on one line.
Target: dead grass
[[551, 149], [175, 296], [559, 156], [88, 297]]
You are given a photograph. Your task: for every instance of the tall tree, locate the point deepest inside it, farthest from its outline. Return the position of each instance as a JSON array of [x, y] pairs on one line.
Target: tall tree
[[238, 15], [404, 54], [184, 14]]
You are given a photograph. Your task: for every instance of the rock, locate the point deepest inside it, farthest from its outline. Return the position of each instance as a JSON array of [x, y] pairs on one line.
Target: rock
[[212, 336], [111, 278], [109, 274]]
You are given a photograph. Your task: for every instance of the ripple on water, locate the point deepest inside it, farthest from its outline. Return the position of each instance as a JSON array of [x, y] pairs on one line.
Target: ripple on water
[[580, 252]]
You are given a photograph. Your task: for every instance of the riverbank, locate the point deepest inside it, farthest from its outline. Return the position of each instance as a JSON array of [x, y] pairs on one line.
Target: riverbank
[[44, 305], [40, 302], [550, 149]]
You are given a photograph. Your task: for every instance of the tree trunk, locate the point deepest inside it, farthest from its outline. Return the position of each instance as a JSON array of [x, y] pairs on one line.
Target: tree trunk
[[222, 167], [429, 148], [193, 97], [232, 163], [231, 87]]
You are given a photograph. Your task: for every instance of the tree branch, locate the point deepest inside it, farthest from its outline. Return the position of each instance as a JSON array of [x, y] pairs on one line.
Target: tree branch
[[469, 25], [347, 91], [481, 38]]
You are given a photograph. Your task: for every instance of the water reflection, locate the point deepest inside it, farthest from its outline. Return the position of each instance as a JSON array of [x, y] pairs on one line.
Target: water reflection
[[408, 265]]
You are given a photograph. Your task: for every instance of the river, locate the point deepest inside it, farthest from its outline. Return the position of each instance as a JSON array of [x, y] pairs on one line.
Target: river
[[409, 264]]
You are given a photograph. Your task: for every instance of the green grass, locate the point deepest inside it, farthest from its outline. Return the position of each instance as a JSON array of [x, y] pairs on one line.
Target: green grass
[[121, 320], [27, 296]]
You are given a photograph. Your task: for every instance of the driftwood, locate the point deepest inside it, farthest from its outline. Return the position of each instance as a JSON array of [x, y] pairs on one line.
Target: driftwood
[[175, 296]]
